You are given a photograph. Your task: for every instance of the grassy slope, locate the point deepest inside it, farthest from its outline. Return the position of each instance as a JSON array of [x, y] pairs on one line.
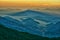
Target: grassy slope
[[9, 34]]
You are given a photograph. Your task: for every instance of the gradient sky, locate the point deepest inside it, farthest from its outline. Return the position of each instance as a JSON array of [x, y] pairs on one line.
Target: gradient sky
[[29, 2]]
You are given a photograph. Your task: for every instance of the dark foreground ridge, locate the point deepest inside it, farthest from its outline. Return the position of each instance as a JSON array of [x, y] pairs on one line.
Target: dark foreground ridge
[[10, 34]]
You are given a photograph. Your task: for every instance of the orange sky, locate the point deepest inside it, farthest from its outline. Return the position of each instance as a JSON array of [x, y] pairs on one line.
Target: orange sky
[[29, 3]]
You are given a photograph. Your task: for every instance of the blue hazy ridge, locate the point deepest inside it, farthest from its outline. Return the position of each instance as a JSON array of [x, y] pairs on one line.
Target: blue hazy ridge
[[37, 15], [34, 22], [14, 24]]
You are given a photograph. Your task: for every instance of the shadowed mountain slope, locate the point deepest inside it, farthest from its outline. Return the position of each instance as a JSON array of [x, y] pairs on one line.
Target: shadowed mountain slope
[[10, 34]]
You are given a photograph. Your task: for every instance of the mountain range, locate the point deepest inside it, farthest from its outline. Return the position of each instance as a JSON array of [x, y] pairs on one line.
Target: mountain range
[[33, 22]]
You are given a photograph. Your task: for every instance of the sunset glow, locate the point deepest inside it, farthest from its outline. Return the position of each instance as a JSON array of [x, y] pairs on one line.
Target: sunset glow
[[28, 2]]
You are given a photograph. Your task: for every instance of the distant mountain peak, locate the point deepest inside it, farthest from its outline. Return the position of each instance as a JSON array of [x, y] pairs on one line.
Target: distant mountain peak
[[27, 12]]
